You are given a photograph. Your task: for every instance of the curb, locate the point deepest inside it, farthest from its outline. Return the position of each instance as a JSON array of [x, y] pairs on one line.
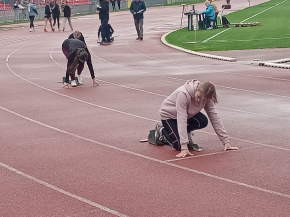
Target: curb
[[276, 63], [230, 59]]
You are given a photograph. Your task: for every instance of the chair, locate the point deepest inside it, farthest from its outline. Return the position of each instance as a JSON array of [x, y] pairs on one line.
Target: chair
[[215, 25]]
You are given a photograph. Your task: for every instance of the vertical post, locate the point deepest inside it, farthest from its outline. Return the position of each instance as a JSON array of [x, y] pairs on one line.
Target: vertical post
[[4, 11]]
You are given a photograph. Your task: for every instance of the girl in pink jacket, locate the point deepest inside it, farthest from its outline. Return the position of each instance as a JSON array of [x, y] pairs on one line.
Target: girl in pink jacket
[[180, 115]]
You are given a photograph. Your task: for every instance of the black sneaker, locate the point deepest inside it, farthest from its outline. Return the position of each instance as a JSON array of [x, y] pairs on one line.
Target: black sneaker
[[159, 138], [192, 146]]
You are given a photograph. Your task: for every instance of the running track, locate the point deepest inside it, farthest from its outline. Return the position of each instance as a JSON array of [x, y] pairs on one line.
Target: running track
[[76, 152]]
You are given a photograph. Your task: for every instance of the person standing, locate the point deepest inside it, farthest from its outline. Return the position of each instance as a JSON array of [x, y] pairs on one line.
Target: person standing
[[137, 9], [66, 16], [180, 115], [103, 9], [113, 4], [119, 4], [32, 11], [47, 15], [55, 13]]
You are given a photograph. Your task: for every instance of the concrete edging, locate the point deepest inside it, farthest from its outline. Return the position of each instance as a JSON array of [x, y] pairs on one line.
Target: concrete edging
[[230, 59]]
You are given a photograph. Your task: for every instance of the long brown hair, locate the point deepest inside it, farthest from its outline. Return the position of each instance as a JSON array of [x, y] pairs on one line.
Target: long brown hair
[[209, 91]]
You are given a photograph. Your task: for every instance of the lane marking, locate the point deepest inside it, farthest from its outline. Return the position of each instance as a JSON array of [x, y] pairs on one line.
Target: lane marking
[[209, 154], [55, 188], [128, 152], [157, 94]]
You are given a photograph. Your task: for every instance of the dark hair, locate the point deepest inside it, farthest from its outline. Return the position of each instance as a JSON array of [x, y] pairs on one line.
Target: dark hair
[[209, 91], [80, 54]]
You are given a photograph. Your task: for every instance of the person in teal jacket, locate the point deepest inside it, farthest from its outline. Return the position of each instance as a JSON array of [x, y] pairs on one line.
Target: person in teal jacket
[[209, 14], [31, 12]]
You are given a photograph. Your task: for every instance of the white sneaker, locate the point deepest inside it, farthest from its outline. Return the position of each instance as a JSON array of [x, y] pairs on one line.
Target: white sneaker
[[80, 79], [30, 30], [73, 83]]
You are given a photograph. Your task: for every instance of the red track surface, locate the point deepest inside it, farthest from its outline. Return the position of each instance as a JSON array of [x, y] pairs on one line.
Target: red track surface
[[76, 151]]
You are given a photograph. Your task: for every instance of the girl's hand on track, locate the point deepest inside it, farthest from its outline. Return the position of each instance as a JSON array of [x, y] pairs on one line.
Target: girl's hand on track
[[184, 153], [64, 85], [95, 82], [229, 147]]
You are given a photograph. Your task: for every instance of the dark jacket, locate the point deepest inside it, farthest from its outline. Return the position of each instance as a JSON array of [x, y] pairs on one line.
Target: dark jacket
[[55, 10], [109, 28], [47, 11], [138, 7], [66, 11], [71, 45], [103, 9]]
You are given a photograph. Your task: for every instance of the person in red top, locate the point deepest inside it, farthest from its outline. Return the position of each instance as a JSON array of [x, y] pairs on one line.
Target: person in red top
[[180, 115]]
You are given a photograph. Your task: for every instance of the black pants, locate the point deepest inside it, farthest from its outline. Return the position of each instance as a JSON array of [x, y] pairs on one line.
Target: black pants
[[119, 5], [113, 5], [104, 28], [198, 121], [54, 20], [31, 21]]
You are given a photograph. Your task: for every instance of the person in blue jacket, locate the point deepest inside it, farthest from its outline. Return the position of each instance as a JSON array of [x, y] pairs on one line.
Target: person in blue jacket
[[209, 14], [31, 11], [137, 8]]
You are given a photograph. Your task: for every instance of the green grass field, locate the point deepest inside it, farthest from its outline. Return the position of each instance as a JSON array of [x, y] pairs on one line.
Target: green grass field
[[273, 31]]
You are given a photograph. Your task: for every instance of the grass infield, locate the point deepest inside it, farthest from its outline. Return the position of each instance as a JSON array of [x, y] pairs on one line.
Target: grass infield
[[273, 31]]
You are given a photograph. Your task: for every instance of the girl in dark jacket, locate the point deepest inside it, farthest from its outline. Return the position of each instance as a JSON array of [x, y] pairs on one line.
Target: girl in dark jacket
[[47, 15], [77, 54], [55, 13]]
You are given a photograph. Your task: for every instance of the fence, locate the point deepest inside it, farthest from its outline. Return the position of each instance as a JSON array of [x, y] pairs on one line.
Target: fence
[[9, 14]]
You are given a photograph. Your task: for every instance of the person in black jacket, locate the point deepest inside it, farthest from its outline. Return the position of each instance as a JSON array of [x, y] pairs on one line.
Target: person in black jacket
[[66, 16], [137, 9], [77, 54], [55, 13], [119, 2], [47, 15], [113, 4], [103, 9], [110, 31]]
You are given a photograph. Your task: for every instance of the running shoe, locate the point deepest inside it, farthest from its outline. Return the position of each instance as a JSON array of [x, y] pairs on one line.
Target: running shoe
[[80, 79], [192, 146], [73, 83]]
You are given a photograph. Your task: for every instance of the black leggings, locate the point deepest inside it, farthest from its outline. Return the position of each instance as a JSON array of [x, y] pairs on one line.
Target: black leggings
[[113, 6], [119, 5], [198, 121], [31, 21], [54, 20]]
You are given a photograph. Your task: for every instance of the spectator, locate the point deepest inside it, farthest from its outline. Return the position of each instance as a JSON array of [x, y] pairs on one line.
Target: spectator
[[209, 14], [66, 16], [55, 13], [113, 4], [47, 15], [214, 5], [103, 9], [137, 9], [31, 12], [119, 4]]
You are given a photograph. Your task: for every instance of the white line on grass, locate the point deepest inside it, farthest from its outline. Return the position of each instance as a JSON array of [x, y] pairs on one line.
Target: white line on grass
[[244, 21]]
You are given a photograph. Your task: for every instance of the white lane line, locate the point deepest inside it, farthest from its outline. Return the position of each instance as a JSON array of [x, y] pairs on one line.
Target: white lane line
[[157, 94], [121, 112], [20, 40], [244, 21], [131, 153], [55, 188], [257, 76], [178, 79], [214, 153]]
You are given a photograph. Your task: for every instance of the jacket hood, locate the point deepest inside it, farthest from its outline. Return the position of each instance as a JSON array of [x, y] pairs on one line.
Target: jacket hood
[[191, 87]]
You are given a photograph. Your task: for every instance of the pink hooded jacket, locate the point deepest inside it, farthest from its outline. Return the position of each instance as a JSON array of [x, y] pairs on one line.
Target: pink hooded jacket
[[182, 105]]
